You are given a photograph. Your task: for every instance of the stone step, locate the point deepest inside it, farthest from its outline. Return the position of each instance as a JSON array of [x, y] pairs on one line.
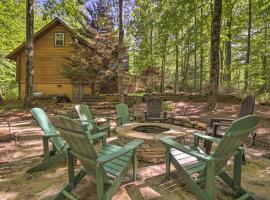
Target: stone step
[[100, 105], [100, 98]]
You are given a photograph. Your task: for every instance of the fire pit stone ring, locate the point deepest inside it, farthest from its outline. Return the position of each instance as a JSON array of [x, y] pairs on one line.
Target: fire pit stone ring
[[152, 150]]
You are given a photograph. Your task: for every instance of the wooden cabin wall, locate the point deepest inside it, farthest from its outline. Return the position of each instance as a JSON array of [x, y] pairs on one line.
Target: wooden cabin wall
[[48, 64]]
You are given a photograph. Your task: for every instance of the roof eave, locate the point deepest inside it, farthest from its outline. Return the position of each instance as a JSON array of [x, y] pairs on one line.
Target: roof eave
[[12, 55]]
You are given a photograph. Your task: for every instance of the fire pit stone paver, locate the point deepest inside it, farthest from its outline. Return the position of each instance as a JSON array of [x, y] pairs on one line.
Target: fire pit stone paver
[[152, 150]]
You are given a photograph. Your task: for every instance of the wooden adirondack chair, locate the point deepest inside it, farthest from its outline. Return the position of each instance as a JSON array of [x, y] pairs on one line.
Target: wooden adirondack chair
[[57, 154], [108, 165], [123, 116], [154, 111], [247, 108], [190, 159], [85, 114]]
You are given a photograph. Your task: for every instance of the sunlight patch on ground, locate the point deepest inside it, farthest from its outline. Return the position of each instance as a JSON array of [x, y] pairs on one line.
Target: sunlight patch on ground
[[48, 192], [149, 193], [58, 172], [8, 195]]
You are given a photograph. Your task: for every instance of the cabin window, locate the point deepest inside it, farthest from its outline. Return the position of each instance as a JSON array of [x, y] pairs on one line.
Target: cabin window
[[59, 39]]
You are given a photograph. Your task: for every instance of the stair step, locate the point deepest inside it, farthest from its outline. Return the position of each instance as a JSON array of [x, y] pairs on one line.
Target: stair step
[[100, 105], [103, 103]]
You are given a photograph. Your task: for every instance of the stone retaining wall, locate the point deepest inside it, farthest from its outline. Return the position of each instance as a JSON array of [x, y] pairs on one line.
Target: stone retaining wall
[[187, 122], [152, 152]]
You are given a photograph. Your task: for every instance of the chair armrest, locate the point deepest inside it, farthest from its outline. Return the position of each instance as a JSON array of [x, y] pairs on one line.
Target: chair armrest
[[112, 118], [213, 120], [207, 137], [185, 149], [84, 121], [222, 119], [97, 136], [221, 123], [51, 135], [100, 117], [125, 149], [118, 120]]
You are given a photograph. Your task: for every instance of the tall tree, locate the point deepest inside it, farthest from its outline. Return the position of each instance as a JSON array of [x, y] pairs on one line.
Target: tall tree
[[1, 96], [162, 73], [228, 46], [248, 47], [120, 69], [195, 51], [214, 56], [29, 87], [176, 79], [201, 52], [94, 48]]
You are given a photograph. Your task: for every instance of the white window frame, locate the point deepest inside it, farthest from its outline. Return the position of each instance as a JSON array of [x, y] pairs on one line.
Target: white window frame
[[55, 35]]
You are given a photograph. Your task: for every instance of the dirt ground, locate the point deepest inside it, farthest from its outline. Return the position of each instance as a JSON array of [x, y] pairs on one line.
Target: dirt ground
[[22, 149]]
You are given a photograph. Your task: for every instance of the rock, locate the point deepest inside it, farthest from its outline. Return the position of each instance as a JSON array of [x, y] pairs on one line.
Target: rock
[[176, 122], [194, 123], [188, 125], [149, 193], [201, 126], [181, 118]]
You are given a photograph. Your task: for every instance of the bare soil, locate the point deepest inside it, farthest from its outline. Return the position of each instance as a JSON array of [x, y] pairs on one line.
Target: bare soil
[[21, 149]]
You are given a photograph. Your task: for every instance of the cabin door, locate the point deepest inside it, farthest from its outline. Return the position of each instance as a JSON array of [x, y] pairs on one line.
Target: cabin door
[[77, 93]]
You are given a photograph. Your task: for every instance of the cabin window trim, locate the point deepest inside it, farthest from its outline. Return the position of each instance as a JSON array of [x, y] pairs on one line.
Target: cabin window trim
[[61, 39]]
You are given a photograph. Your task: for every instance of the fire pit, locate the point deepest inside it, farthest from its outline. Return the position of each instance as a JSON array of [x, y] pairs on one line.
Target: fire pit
[[152, 150], [151, 129]]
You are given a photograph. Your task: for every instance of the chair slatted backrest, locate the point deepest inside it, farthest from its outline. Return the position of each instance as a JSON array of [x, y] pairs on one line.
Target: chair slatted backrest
[[40, 116], [233, 138], [84, 113], [76, 137], [154, 107], [247, 106], [122, 111]]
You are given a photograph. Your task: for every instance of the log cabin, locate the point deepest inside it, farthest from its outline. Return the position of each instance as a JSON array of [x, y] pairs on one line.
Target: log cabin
[[52, 46]]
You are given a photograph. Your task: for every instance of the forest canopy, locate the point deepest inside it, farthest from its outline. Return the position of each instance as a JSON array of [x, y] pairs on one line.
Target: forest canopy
[[171, 36]]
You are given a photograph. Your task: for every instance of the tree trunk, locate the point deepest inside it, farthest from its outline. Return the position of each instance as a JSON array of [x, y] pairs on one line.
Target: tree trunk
[[93, 87], [214, 57], [151, 45], [265, 61], [176, 80], [162, 75], [120, 53], [1, 97], [195, 52], [29, 87], [186, 69], [201, 54], [248, 47], [228, 50], [221, 79]]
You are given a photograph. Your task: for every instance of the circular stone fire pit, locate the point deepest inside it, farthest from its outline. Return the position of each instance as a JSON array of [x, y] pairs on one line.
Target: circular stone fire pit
[[151, 129], [152, 150]]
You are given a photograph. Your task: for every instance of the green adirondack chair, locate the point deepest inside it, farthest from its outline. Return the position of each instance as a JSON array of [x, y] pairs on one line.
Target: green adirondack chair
[[57, 154], [123, 116], [85, 114], [191, 159], [108, 165]]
